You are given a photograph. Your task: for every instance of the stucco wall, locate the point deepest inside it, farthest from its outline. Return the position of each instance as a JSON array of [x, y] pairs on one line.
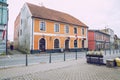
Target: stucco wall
[[49, 35], [25, 29]]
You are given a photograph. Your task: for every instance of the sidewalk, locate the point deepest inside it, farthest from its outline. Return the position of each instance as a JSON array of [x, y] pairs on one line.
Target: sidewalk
[[23, 70], [69, 70]]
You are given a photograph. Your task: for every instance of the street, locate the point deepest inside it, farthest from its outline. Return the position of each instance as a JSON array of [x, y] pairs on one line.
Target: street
[[19, 60]]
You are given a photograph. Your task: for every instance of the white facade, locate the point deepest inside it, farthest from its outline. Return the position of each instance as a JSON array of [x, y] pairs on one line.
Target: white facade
[[111, 33], [25, 30]]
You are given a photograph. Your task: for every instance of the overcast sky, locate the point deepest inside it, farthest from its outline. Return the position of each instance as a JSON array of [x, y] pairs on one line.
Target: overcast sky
[[96, 14]]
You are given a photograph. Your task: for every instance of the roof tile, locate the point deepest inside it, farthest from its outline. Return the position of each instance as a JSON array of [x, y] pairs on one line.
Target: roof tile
[[45, 13]]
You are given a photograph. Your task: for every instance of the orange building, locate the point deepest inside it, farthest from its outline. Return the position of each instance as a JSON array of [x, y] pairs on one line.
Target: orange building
[[43, 29]]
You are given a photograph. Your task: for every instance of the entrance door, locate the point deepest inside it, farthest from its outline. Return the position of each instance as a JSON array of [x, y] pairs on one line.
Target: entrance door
[[42, 44], [67, 45], [83, 44]]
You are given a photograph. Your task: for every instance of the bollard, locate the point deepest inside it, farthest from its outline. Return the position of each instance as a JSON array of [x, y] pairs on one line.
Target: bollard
[[64, 56], [50, 58], [26, 59], [76, 55]]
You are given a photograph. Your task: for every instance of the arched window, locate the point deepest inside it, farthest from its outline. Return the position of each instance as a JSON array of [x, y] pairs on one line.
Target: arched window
[[75, 43], [75, 30], [56, 43], [42, 44]]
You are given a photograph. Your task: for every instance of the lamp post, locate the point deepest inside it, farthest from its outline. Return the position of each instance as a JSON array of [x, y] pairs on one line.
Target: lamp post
[[26, 24], [76, 38]]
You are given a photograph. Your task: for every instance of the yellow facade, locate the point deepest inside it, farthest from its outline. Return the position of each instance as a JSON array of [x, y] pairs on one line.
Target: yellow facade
[[50, 35]]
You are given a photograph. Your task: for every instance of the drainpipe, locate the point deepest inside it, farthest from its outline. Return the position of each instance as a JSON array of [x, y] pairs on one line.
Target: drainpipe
[[32, 36]]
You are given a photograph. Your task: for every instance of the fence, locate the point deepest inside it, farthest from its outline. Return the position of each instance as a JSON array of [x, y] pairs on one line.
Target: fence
[[40, 58]]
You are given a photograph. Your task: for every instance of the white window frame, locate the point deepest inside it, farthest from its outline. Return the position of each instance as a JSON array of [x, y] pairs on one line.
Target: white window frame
[[55, 27], [43, 27], [83, 31], [66, 29]]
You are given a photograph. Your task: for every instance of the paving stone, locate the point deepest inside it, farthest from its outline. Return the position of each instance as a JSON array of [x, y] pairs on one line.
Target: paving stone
[[75, 72]]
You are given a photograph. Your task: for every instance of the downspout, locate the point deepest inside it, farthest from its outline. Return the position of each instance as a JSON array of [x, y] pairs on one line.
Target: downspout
[[32, 37]]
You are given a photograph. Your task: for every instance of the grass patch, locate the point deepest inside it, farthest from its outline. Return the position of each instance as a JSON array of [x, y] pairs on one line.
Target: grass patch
[[2, 54]]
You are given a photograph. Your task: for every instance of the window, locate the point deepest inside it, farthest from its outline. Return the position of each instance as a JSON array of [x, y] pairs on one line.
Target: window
[[66, 29], [20, 32], [42, 26], [75, 30], [21, 21], [56, 43], [3, 1], [1, 35], [56, 27], [82, 31], [75, 43]]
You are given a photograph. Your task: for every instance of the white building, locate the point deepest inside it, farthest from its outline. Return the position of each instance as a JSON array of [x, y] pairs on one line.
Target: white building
[[111, 33]]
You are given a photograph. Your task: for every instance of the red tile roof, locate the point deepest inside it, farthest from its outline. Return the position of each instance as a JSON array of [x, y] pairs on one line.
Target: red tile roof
[[49, 14]]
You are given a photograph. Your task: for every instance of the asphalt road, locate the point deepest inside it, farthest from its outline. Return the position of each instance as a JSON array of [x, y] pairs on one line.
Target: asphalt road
[[18, 60]]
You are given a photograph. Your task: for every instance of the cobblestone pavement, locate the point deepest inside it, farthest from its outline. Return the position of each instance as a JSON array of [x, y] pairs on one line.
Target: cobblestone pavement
[[79, 71]]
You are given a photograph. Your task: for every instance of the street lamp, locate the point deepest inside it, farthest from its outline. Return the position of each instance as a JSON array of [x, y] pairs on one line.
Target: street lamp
[[75, 43]]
